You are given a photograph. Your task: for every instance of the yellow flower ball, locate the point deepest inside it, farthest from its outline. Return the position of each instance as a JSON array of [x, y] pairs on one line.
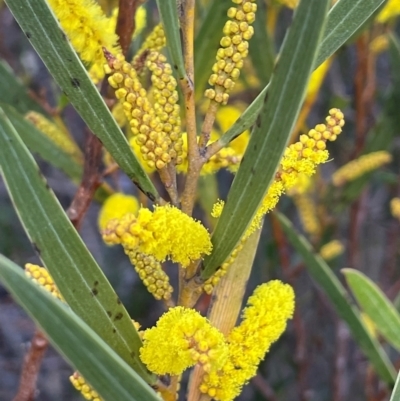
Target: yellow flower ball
[[116, 206]]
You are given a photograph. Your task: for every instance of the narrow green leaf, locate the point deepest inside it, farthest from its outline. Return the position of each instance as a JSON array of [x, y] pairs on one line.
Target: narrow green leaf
[[335, 36], [337, 294], [109, 375], [39, 143], [74, 270], [169, 17], [396, 390], [345, 18], [48, 39], [261, 48], [394, 50], [270, 136], [375, 304], [207, 42], [13, 92]]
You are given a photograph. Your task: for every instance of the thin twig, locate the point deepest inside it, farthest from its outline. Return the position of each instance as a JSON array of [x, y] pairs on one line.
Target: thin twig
[[126, 22], [187, 25], [207, 125], [91, 180], [31, 367]]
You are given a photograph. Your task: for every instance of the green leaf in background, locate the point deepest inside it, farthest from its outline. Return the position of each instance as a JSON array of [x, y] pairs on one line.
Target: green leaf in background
[[335, 36], [39, 143], [376, 305], [337, 294], [396, 390], [207, 42], [169, 17], [109, 375], [271, 134], [46, 36], [345, 18], [261, 48], [74, 270], [14, 93]]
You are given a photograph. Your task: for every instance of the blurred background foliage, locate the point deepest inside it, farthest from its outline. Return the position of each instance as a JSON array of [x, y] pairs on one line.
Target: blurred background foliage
[[348, 219]]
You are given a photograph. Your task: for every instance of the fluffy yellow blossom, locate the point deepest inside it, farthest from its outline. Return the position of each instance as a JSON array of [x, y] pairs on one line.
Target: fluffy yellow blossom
[[363, 165], [84, 388], [301, 157], [96, 71], [264, 320], [42, 277], [299, 161], [181, 339], [331, 250], [389, 11], [234, 49], [86, 26], [165, 233], [56, 135], [395, 207], [116, 206], [152, 275]]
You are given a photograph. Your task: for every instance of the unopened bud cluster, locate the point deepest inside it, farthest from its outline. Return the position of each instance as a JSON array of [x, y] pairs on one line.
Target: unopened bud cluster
[[331, 250], [155, 41], [362, 165], [81, 385], [42, 277], [166, 103], [307, 211], [395, 207], [155, 145], [152, 275], [234, 49], [55, 134], [210, 283]]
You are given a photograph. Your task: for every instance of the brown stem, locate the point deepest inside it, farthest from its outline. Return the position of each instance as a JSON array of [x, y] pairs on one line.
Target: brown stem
[[187, 25], [90, 181], [264, 388], [207, 125], [126, 22], [31, 367], [168, 178]]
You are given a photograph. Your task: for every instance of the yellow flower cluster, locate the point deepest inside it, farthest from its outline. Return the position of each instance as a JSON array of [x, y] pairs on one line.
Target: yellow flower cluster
[[152, 275], [84, 388], [86, 26], [331, 250], [391, 10], [155, 41], [116, 206], [395, 207], [165, 233], [363, 165], [56, 135], [42, 277], [301, 157], [264, 320], [166, 103], [299, 161], [155, 144], [234, 49], [181, 339]]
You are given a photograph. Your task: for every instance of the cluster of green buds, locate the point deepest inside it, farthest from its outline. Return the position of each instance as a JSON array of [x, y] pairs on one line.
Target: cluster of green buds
[[234, 49], [152, 275], [156, 145]]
